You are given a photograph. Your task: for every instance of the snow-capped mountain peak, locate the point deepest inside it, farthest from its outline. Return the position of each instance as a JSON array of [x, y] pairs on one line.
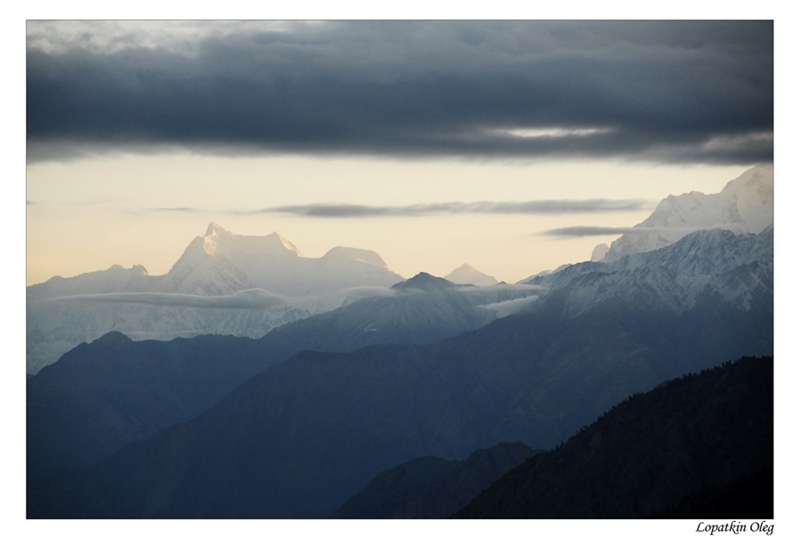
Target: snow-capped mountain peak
[[219, 264], [215, 229], [222, 262], [745, 205], [466, 274], [219, 241]]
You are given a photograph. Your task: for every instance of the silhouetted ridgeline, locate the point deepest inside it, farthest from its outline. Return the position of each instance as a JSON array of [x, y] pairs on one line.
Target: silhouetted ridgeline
[[697, 447], [101, 396], [431, 487]]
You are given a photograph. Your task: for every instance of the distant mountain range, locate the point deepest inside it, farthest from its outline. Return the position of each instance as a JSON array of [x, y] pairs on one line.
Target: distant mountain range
[[222, 284], [297, 422], [243, 285], [301, 437], [92, 401]]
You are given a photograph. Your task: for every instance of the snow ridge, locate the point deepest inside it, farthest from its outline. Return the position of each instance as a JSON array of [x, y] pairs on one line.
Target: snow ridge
[[745, 205], [737, 268]]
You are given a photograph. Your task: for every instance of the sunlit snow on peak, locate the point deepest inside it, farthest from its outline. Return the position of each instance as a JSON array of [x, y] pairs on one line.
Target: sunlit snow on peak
[[215, 229]]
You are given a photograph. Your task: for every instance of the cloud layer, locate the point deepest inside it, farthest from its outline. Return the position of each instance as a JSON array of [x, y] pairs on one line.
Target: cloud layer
[[246, 299], [479, 207], [679, 91], [347, 210], [586, 231]]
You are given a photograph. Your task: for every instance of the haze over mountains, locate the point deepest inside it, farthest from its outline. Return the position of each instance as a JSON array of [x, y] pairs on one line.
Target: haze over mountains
[[661, 451], [242, 285], [85, 407], [336, 420], [468, 275], [296, 422], [222, 284]]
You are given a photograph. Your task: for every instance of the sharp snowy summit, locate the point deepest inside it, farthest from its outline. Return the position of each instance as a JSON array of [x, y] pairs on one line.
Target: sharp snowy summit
[[223, 283], [221, 262], [465, 274], [745, 205]]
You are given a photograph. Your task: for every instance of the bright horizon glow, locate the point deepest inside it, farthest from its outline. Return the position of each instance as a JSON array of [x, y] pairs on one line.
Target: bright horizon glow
[[87, 215]]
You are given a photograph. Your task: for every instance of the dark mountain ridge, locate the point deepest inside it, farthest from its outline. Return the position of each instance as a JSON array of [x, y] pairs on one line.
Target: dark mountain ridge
[[103, 395], [684, 448], [431, 487]]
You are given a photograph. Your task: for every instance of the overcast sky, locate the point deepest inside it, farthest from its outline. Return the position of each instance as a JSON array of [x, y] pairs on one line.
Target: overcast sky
[[513, 146]]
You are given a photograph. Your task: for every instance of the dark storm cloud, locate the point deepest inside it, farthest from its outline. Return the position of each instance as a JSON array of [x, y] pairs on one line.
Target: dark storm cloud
[[660, 91], [479, 207]]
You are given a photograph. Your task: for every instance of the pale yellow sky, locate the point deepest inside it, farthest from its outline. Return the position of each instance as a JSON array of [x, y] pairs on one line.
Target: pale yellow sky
[[87, 215]]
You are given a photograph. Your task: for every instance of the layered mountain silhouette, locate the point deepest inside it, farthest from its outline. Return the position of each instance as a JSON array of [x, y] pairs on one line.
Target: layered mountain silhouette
[[410, 381], [697, 447], [300, 438], [422, 309], [431, 487], [222, 284], [99, 397]]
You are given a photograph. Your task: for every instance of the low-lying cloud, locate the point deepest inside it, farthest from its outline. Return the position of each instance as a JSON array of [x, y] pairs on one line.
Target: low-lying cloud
[[247, 299], [511, 307], [478, 207]]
